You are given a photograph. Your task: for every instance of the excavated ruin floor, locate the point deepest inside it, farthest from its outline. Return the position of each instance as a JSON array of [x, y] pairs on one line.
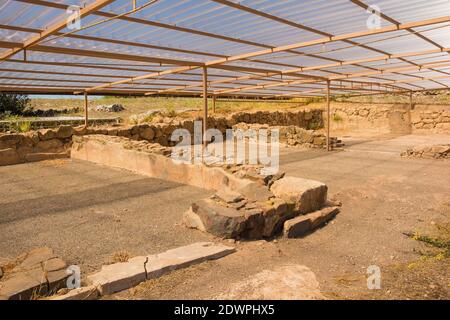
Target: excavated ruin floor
[[87, 212]]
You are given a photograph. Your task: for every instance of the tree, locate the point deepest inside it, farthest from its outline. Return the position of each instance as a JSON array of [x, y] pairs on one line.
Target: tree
[[13, 103]]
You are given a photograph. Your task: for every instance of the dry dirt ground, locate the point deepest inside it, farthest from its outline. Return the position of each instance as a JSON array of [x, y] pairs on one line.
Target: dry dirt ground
[[87, 213]]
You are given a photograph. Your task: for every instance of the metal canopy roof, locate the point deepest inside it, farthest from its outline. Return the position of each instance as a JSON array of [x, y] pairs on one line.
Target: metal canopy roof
[[262, 48]]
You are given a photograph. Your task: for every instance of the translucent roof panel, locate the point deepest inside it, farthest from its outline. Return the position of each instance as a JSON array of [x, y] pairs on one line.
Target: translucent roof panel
[[164, 45]]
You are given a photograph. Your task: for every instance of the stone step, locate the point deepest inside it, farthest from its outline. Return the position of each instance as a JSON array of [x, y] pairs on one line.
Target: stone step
[[124, 275]]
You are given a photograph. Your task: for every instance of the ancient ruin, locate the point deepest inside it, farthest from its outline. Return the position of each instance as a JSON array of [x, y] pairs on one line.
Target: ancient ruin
[[221, 149]]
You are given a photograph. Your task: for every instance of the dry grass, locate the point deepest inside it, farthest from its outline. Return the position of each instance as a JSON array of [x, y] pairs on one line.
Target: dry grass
[[120, 256], [165, 285]]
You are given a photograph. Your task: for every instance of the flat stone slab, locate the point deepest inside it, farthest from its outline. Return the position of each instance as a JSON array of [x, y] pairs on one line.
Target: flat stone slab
[[256, 192], [229, 196], [292, 282], [83, 293], [301, 225], [120, 276], [307, 195], [39, 273]]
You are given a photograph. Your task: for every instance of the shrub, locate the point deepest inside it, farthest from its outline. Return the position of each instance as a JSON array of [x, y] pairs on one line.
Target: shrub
[[337, 118], [313, 125], [13, 103], [24, 126], [170, 112], [148, 118], [18, 125]]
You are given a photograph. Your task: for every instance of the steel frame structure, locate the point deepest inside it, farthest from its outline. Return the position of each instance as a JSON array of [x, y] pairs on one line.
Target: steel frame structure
[[128, 47]]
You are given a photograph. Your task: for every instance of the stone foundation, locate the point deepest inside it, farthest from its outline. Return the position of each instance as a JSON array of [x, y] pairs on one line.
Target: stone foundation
[[247, 204]]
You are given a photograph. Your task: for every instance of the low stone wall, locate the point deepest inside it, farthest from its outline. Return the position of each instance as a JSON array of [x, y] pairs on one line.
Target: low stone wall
[[152, 160], [389, 118], [35, 146], [291, 135], [47, 144], [435, 120], [306, 119], [428, 152], [54, 122]]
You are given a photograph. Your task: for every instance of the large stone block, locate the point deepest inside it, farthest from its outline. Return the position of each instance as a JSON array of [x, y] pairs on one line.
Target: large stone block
[[46, 134], [46, 145], [146, 132], [9, 156], [216, 219], [304, 224], [306, 195], [64, 132], [9, 140]]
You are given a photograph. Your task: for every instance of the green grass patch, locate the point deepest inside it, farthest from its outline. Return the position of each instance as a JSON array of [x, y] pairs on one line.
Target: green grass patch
[[441, 242], [337, 118]]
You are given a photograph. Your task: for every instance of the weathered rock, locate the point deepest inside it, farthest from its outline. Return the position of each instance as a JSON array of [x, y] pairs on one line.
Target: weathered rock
[[229, 196], [428, 152], [36, 257], [40, 273], [9, 156], [1, 272], [307, 195], [270, 179], [33, 137], [275, 214], [146, 133], [46, 134], [64, 132], [23, 286], [120, 276], [83, 293], [256, 192], [301, 225], [216, 219], [49, 145], [292, 282], [193, 221], [9, 140]]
